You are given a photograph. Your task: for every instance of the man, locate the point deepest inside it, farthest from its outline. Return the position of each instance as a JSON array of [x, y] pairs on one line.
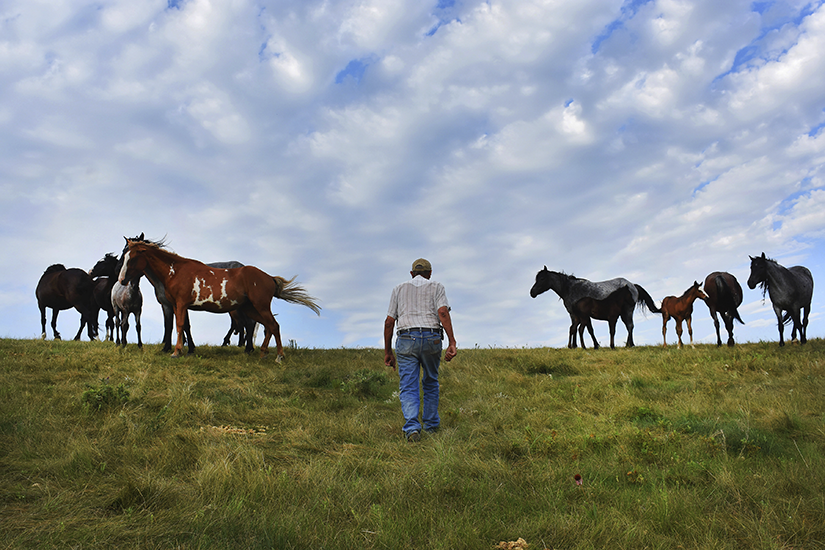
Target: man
[[422, 312]]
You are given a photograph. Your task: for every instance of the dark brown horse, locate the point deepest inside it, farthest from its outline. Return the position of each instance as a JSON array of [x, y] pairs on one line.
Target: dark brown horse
[[608, 309], [60, 288], [681, 309], [104, 275], [724, 296], [190, 284]]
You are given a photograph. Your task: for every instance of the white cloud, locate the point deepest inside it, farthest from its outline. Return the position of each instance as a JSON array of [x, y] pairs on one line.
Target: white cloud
[[340, 139]]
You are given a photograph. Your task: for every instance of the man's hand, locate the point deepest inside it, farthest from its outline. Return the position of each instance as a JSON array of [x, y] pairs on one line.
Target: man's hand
[[389, 359], [451, 352]]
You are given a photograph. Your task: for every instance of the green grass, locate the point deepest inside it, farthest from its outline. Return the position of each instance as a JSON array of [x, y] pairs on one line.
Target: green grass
[[693, 448]]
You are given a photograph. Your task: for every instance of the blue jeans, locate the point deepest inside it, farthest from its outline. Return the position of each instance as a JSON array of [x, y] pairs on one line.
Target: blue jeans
[[419, 352]]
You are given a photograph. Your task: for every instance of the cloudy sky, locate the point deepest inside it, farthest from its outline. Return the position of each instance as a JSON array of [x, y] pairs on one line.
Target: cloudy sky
[[338, 140]]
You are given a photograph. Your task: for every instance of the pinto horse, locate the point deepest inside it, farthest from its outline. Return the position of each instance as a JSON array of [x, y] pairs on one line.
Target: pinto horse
[[127, 299], [573, 289], [60, 288], [190, 284], [790, 290], [724, 296], [240, 323], [681, 309]]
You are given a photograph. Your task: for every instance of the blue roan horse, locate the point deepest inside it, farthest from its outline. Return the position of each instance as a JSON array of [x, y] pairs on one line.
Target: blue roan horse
[[790, 290], [605, 300]]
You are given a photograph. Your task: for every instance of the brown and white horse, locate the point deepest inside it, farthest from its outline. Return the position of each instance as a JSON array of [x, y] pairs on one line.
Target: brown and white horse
[[190, 284]]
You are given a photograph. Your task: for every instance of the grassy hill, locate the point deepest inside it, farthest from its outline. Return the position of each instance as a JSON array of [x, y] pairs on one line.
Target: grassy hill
[[695, 448]]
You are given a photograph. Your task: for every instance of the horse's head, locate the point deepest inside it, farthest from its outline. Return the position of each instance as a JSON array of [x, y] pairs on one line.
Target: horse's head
[[107, 267], [133, 262], [759, 271], [546, 280], [697, 292]]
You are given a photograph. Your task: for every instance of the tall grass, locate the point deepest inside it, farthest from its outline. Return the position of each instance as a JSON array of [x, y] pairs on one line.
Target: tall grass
[[705, 448]]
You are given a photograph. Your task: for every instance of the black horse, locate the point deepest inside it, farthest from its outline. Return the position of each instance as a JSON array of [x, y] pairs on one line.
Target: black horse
[[104, 275], [573, 289], [790, 290], [60, 288], [240, 323], [724, 296]]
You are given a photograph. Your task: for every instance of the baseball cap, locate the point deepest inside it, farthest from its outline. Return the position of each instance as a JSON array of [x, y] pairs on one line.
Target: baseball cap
[[421, 265]]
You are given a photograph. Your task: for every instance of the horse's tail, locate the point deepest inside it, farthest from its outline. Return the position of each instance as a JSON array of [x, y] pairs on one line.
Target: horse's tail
[[645, 299], [292, 292]]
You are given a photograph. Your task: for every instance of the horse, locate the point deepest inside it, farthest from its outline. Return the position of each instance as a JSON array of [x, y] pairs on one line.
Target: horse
[[126, 299], [572, 289], [104, 275], [790, 289], [681, 309], [239, 323], [723, 295], [190, 284], [609, 309], [60, 288]]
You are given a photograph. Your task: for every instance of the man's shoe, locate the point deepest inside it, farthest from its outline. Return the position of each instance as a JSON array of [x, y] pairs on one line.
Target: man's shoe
[[413, 436]]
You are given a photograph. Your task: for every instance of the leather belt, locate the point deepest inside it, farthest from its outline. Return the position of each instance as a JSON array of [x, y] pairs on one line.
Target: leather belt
[[418, 329]]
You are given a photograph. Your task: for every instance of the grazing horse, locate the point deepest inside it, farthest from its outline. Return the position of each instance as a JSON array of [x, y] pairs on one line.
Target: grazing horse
[[190, 284], [60, 288], [104, 275], [725, 296], [572, 289], [609, 309], [681, 309], [127, 299], [790, 290]]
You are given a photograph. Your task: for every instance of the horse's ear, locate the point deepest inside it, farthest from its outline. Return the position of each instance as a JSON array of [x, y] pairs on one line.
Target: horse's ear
[[141, 236], [763, 255], [545, 268]]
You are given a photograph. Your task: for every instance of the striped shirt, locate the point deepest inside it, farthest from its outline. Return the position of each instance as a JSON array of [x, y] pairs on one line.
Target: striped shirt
[[415, 303]]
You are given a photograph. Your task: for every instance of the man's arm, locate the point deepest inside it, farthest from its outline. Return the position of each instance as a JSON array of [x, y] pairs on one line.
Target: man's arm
[[389, 357], [447, 323]]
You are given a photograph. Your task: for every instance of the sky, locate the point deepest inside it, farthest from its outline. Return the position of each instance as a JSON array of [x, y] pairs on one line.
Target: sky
[[339, 140]]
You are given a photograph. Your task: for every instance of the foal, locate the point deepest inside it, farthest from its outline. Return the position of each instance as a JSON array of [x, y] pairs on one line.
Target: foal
[[681, 309]]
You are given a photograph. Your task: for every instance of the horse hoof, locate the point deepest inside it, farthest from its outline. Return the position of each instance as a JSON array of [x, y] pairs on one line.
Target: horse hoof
[[279, 358]]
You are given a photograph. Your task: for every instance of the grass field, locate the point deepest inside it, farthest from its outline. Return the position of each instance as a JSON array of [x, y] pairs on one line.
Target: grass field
[[693, 448]]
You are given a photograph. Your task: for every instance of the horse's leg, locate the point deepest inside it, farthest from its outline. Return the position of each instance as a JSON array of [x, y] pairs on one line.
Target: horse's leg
[[249, 334], [716, 325], [137, 327], [729, 327], [117, 326], [231, 331], [690, 330], [804, 330], [797, 325], [665, 318], [571, 336], [678, 331], [124, 327], [592, 334], [187, 329], [781, 324], [168, 318], [55, 311], [611, 323], [42, 320], [82, 325], [627, 318], [180, 319]]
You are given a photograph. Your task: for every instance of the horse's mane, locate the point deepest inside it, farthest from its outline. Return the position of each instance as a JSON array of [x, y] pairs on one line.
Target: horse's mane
[[55, 268]]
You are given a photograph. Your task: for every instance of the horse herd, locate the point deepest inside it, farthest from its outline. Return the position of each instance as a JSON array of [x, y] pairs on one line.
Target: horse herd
[[180, 284], [790, 291], [246, 292]]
